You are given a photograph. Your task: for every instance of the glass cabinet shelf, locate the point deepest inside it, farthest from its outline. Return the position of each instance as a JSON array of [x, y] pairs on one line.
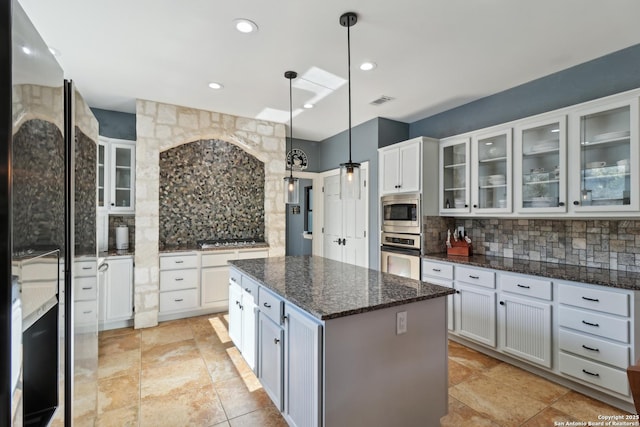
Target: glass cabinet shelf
[[457, 165], [493, 159]]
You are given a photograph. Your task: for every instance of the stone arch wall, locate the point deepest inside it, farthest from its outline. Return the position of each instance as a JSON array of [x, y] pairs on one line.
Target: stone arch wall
[[162, 126]]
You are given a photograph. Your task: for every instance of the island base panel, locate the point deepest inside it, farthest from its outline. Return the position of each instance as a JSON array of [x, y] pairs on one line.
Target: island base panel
[[374, 377]]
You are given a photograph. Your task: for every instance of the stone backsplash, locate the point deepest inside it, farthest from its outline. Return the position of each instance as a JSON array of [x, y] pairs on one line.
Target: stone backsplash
[[85, 194], [210, 189], [613, 244]]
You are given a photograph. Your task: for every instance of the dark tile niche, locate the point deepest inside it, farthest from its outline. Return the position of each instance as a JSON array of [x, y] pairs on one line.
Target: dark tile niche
[[210, 189], [38, 186], [85, 194]]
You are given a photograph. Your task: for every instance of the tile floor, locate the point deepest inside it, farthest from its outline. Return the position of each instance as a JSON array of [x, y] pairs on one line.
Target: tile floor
[[188, 373]]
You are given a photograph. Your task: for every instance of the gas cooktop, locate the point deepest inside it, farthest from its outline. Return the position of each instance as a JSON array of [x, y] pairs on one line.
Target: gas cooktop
[[205, 244]]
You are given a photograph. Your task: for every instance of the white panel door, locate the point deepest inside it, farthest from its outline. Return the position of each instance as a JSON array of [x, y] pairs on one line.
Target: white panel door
[[214, 282], [476, 314], [270, 360], [332, 218], [235, 314], [389, 162], [249, 330], [410, 175], [119, 289]]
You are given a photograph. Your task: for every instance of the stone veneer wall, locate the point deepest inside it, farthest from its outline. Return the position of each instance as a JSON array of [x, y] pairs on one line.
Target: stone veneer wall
[[210, 190], [434, 233], [160, 127], [613, 244]]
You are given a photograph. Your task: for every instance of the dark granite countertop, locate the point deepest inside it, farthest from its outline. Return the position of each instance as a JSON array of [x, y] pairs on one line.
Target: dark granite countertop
[[328, 289], [114, 252], [195, 247], [574, 273]]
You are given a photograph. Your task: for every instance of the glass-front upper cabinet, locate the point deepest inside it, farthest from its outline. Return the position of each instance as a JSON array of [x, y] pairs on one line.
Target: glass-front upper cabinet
[[101, 163], [604, 155], [540, 166], [116, 175], [454, 176], [492, 172]]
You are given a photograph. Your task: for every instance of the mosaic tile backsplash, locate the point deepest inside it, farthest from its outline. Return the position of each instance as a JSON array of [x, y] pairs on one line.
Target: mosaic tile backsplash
[[613, 244], [85, 194], [210, 189]]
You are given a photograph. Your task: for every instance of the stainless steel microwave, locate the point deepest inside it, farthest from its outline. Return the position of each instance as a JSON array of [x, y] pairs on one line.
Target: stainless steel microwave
[[401, 213]]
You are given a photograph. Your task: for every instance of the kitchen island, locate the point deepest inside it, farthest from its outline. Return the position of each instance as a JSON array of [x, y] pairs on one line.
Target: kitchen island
[[334, 344]]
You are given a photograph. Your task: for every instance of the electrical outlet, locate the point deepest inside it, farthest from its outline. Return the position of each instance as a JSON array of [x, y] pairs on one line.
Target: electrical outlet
[[401, 322], [461, 230]]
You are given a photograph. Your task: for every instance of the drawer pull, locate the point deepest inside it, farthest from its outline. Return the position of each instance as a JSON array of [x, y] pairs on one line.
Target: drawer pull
[[87, 288], [276, 340], [267, 305], [247, 290], [523, 286], [590, 348], [590, 373], [179, 261], [474, 277], [591, 299], [87, 268], [237, 302], [233, 279], [179, 300], [179, 279], [437, 270], [87, 312], [591, 324]]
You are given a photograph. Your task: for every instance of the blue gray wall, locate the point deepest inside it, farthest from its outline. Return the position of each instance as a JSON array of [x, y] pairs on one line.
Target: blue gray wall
[[311, 149], [114, 124], [607, 75], [296, 244]]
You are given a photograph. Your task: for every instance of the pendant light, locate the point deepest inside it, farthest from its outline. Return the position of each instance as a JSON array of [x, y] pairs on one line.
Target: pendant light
[[291, 184], [349, 171]]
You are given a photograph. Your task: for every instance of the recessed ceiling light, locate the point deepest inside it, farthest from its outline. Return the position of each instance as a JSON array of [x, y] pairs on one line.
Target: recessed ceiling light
[[54, 51], [214, 85], [307, 106], [368, 66], [245, 25], [26, 50]]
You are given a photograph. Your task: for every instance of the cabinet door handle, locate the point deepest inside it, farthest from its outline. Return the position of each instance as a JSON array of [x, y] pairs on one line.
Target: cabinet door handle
[[87, 288], [267, 305], [233, 279], [561, 204], [285, 318], [237, 302], [590, 373], [179, 300], [474, 277], [87, 312], [87, 268], [590, 348], [276, 340], [179, 279], [591, 299], [591, 324], [501, 302], [437, 270], [247, 290], [576, 203], [241, 307], [523, 286], [179, 262]]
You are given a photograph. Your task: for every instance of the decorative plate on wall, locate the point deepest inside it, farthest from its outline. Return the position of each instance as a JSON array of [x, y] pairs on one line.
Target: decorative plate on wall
[[300, 160]]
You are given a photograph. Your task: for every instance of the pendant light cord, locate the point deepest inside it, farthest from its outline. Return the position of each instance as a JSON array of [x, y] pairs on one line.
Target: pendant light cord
[[290, 130], [349, 81]]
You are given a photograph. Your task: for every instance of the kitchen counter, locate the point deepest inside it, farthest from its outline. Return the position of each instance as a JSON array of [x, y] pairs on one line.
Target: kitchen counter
[[188, 247], [574, 273], [328, 289]]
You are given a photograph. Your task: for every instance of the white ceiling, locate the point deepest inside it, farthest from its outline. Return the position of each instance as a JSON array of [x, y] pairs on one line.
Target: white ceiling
[[432, 55]]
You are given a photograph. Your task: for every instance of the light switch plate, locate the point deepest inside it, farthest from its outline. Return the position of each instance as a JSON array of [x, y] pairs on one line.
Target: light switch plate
[[401, 322]]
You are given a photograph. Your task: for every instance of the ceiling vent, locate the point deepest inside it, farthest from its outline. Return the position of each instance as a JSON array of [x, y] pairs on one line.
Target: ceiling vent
[[383, 99]]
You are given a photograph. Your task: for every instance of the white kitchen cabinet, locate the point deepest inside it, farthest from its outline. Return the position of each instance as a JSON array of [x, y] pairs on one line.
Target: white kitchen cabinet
[[270, 358], [455, 174], [400, 166], [116, 293], [604, 143], [179, 282], [116, 175], [242, 316], [441, 274], [214, 277], [540, 168], [476, 314], [302, 368], [235, 312], [491, 172]]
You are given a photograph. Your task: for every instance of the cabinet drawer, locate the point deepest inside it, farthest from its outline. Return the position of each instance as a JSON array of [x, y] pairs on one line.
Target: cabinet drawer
[[264, 253], [85, 288], [172, 280], [86, 312], [85, 268], [250, 287], [178, 300], [594, 373], [594, 323], [435, 269], [529, 286], [173, 262], [476, 276], [217, 259], [594, 348], [594, 299], [235, 276], [270, 304]]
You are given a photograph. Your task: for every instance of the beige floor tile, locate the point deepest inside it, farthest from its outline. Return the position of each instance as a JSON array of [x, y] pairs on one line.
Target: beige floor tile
[[534, 386], [220, 366], [549, 417], [584, 408], [458, 373], [461, 415], [118, 364], [170, 378], [491, 397], [117, 343], [222, 424], [118, 392], [267, 417], [202, 326], [195, 407], [470, 358], [123, 417], [117, 332], [166, 334], [238, 400], [172, 352]]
